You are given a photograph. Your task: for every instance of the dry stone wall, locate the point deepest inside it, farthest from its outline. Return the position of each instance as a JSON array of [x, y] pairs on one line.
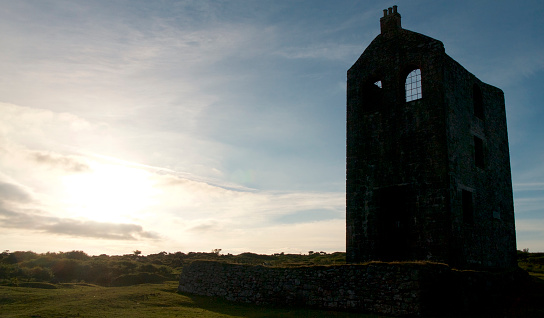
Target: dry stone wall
[[383, 288]]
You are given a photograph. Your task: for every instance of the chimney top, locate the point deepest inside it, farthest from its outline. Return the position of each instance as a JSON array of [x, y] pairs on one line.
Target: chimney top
[[390, 20]]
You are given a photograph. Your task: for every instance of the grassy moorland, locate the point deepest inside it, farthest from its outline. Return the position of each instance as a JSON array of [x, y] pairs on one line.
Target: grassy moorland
[[73, 284], [144, 300]]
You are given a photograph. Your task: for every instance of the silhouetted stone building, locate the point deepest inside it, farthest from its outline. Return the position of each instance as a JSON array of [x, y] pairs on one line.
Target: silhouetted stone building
[[428, 167]]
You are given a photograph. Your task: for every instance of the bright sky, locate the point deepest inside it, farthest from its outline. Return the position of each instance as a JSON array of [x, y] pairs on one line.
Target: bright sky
[[194, 125]]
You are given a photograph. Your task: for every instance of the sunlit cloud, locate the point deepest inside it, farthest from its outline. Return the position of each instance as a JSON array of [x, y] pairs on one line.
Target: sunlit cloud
[[100, 230], [205, 226], [104, 197], [12, 192], [34, 222], [20, 210], [67, 163]]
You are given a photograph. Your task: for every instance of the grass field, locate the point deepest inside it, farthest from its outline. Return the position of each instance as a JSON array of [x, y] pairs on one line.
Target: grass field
[[161, 300], [146, 300], [42, 289]]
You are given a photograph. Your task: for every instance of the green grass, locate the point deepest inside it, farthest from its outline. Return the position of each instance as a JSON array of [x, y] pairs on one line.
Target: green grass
[[162, 300], [40, 291], [146, 300]]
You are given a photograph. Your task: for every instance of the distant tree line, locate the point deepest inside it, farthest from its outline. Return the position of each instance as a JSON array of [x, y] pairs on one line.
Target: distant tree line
[[129, 269], [77, 266]]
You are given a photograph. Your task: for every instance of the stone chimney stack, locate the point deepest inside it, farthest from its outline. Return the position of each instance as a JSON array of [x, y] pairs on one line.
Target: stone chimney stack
[[390, 20]]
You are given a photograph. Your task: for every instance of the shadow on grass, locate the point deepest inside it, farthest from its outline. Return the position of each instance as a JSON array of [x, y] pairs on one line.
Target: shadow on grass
[[222, 306], [37, 285]]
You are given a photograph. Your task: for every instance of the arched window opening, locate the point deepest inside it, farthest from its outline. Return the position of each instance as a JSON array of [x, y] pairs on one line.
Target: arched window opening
[[413, 85], [478, 102]]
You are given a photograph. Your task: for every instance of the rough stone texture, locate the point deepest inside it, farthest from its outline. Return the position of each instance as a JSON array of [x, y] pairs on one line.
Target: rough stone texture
[[383, 288], [410, 164]]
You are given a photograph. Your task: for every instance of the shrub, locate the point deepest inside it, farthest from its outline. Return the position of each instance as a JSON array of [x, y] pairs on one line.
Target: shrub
[[139, 278], [65, 270], [40, 274], [8, 271], [78, 255], [147, 268]]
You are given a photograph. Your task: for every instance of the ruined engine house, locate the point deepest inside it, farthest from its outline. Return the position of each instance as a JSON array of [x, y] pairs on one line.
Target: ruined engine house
[[428, 167]]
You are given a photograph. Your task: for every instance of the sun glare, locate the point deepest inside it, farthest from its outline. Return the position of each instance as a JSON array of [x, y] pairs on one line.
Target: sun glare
[[110, 193]]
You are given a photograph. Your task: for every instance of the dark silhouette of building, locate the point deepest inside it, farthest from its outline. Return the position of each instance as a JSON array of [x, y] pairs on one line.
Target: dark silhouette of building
[[428, 167]]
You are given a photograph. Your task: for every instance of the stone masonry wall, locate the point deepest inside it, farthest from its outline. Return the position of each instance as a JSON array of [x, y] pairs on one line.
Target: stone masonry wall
[[383, 288], [386, 289], [488, 238], [396, 166]]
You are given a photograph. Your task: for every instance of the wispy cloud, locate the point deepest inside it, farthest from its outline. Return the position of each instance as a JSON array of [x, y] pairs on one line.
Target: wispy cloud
[[530, 225], [201, 200], [205, 226], [326, 51], [513, 67], [35, 221], [68, 163], [531, 204], [12, 192], [100, 230], [19, 210], [529, 186], [38, 127]]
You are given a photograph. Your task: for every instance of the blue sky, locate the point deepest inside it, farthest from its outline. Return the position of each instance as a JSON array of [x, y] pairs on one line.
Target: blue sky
[[195, 125]]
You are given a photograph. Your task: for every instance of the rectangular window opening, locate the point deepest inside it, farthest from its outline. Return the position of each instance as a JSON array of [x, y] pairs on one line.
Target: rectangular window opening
[[468, 209], [478, 152]]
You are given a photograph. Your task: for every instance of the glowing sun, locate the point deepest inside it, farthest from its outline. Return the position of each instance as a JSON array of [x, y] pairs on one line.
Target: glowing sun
[[110, 193]]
